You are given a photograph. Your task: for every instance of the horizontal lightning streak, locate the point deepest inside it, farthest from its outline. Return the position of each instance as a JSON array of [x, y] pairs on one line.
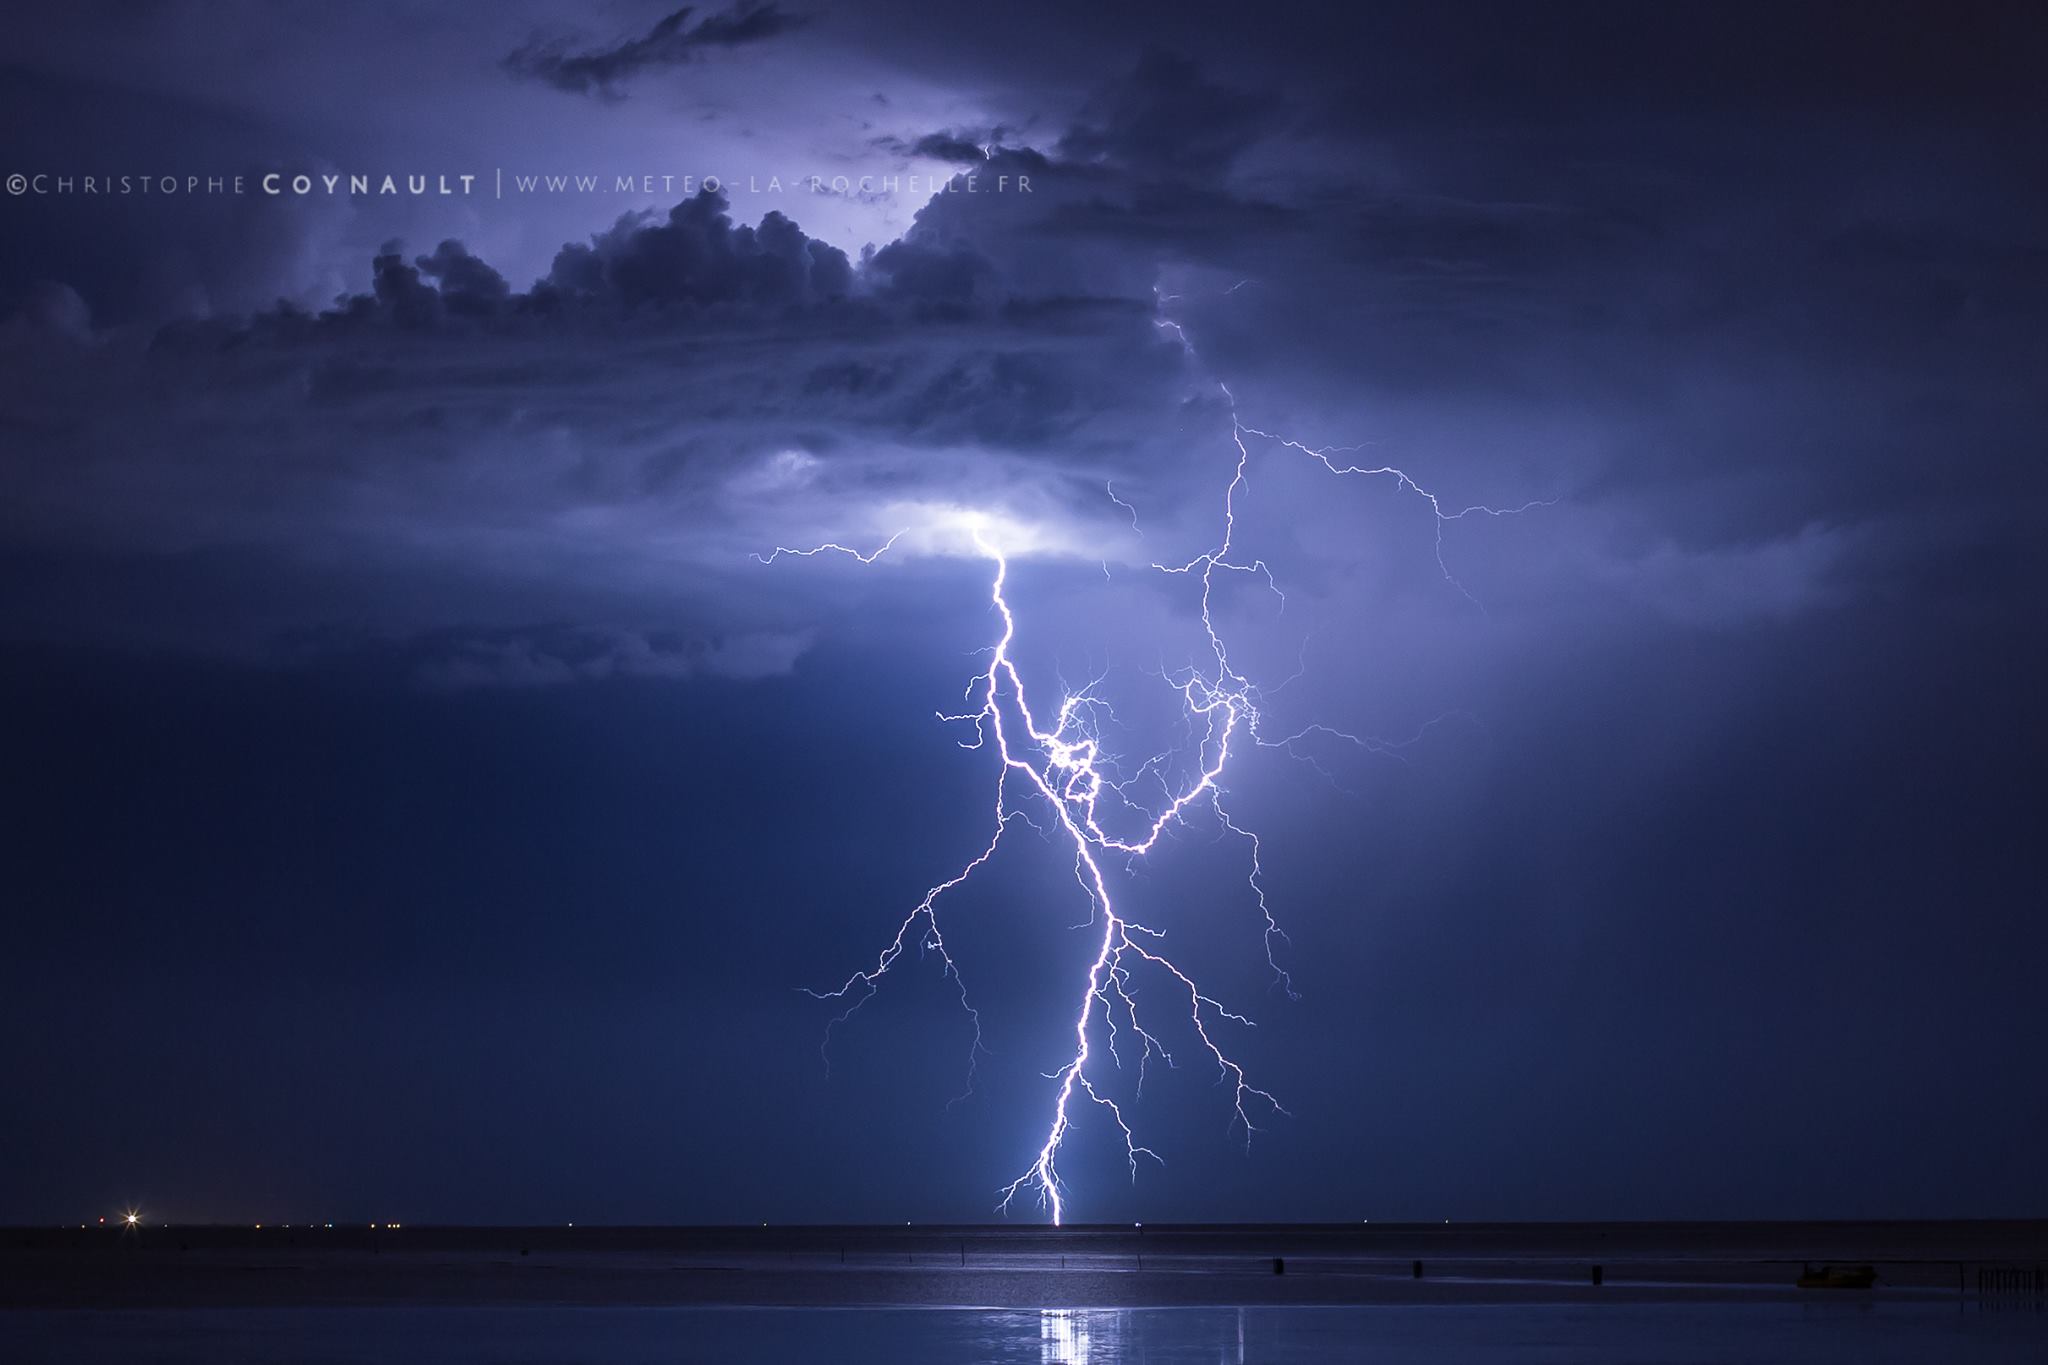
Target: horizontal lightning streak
[[830, 548]]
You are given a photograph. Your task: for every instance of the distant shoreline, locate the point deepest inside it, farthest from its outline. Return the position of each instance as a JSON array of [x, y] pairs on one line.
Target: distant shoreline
[[1007, 1266]]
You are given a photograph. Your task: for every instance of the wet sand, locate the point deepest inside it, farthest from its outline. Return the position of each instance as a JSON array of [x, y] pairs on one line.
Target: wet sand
[[1012, 1267]]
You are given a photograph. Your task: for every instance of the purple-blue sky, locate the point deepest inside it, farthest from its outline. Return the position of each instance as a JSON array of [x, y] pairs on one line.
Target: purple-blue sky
[[423, 805]]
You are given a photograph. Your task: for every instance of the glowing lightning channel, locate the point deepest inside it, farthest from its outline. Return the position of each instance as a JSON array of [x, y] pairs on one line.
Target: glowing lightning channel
[[1064, 767], [829, 548], [1060, 762], [1132, 512]]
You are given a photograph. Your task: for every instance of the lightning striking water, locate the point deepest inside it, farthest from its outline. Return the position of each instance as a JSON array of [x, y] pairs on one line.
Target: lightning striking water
[[1053, 761]]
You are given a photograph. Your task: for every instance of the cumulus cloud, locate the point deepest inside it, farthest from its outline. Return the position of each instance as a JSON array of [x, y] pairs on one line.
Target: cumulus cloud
[[676, 394], [698, 258]]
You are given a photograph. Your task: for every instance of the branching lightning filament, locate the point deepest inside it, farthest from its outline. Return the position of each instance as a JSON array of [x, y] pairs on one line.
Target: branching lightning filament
[[1052, 763]]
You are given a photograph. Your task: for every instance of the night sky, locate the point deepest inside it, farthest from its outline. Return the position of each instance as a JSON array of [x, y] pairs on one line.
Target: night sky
[[420, 804]]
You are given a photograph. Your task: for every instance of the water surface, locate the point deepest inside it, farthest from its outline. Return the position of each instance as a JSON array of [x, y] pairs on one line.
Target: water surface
[[1574, 1334]]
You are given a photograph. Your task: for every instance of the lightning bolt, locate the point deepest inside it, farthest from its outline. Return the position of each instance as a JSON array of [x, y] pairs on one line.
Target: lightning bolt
[[829, 548], [1132, 512], [1054, 762]]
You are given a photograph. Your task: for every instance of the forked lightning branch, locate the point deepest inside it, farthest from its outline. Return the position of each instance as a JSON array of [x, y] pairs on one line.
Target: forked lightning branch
[[1053, 766]]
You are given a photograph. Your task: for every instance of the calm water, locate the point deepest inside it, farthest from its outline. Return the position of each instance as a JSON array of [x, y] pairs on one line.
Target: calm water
[[1646, 1334]]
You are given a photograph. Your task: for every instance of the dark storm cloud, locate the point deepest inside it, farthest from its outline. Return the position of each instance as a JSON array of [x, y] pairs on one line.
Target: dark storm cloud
[[467, 286], [672, 42], [693, 261], [1543, 341], [673, 395], [938, 337], [959, 146], [698, 258], [1169, 117]]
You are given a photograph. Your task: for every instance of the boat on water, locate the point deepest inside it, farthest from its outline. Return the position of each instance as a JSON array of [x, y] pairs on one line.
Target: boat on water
[[1838, 1277]]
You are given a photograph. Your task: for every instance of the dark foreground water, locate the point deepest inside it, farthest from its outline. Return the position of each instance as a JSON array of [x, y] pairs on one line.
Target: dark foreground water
[[1820, 1333]]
